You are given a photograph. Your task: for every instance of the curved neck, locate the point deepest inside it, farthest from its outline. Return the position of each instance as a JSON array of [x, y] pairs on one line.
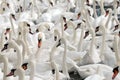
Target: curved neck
[[65, 70], [20, 74], [52, 54], [10, 35], [2, 40], [81, 39], [116, 50], [13, 29], [108, 19], [103, 43], [32, 71], [92, 44], [57, 77], [5, 61], [102, 7], [74, 31], [23, 47], [62, 27], [115, 8], [94, 9], [19, 55]]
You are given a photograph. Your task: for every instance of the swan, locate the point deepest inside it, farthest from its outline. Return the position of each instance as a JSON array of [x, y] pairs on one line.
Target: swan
[[91, 69], [92, 55], [18, 72], [14, 45]]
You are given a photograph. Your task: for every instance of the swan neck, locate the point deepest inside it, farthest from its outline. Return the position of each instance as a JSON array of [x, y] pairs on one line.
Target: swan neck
[[57, 77], [62, 27], [92, 44], [52, 55], [116, 50], [108, 19], [102, 7], [5, 61], [21, 74], [65, 70], [81, 40], [94, 9], [11, 21], [32, 71], [19, 55], [103, 46]]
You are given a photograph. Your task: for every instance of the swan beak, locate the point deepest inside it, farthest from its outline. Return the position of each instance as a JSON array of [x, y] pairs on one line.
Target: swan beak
[[118, 4], [7, 31], [39, 43], [55, 38], [65, 27], [115, 72], [13, 16], [64, 19], [116, 27], [10, 74], [86, 34], [78, 16], [106, 13], [97, 29], [3, 49], [78, 26], [51, 3]]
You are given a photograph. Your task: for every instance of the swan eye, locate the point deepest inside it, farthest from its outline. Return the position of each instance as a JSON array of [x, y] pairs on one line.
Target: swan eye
[[8, 5], [37, 30], [3, 9], [19, 33]]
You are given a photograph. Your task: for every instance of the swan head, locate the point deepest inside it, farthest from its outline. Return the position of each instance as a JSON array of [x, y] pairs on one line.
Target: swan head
[[78, 15], [60, 41], [115, 72], [11, 73], [39, 42], [108, 11], [5, 47], [12, 16]]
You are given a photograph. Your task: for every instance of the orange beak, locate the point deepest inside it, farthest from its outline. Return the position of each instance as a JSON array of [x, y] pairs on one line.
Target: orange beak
[[7, 31], [39, 43], [78, 16], [106, 13], [114, 74]]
